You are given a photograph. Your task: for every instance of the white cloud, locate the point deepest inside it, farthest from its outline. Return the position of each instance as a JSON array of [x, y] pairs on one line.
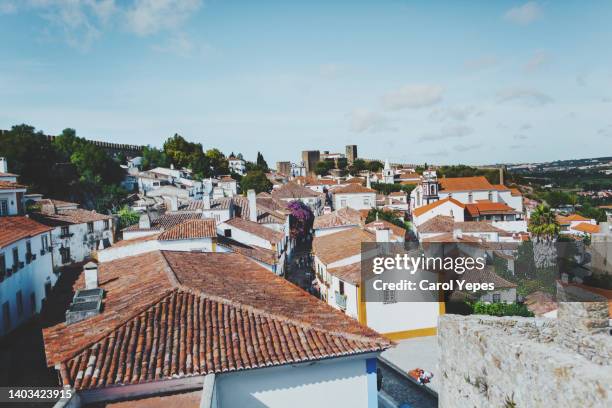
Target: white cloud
[[8, 7], [538, 60], [363, 120], [457, 113], [450, 132], [467, 148], [413, 97], [525, 96], [487, 61], [181, 45], [150, 16], [525, 14]]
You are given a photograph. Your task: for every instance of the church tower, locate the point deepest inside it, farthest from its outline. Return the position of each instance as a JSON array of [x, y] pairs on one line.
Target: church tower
[[388, 173], [430, 187]]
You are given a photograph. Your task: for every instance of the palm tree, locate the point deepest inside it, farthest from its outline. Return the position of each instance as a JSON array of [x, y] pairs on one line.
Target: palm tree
[[543, 223]]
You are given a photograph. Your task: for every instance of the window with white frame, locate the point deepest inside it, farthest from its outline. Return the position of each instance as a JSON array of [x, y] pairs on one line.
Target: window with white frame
[[389, 296]]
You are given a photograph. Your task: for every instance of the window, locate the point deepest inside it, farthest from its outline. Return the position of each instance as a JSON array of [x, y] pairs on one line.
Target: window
[[32, 303], [47, 289], [106, 225], [496, 298], [227, 233], [366, 201], [490, 196], [15, 259], [44, 242], [342, 203], [6, 316], [2, 267], [65, 254], [389, 296], [65, 231], [90, 228], [19, 301], [28, 252], [3, 207], [341, 287]]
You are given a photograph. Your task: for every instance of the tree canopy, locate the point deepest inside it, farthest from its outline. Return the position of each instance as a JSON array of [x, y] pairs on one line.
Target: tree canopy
[[256, 180]]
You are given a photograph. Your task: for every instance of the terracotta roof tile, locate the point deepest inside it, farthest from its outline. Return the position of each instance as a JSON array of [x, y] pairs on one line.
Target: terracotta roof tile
[[167, 221], [339, 245], [465, 184], [342, 217], [486, 275], [350, 273], [294, 190], [441, 223], [353, 189], [10, 185], [69, 217], [586, 227], [483, 207], [176, 314], [14, 228], [191, 229], [423, 209], [256, 229], [384, 224], [252, 251]]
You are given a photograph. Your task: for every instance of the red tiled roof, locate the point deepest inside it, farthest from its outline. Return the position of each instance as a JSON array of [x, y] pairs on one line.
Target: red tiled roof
[[176, 314], [342, 217], [10, 185], [569, 218], [252, 251], [254, 228], [448, 237], [167, 221], [486, 275], [191, 229], [423, 209], [14, 228], [339, 245], [294, 190], [384, 224], [487, 207], [353, 189], [465, 184], [69, 217], [586, 227], [350, 273]]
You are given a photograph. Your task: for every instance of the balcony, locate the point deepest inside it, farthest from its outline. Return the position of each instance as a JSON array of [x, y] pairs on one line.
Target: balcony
[[340, 300]]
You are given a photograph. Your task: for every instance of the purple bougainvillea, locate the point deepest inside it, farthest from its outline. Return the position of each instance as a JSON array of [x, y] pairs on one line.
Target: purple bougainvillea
[[301, 218]]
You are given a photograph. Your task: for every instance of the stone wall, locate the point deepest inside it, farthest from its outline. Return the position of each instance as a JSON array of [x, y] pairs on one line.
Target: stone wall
[[511, 362]]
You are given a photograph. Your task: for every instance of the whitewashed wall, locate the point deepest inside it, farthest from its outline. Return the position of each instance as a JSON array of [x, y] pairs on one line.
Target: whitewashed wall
[[335, 383], [137, 248], [29, 279], [81, 242], [357, 201]]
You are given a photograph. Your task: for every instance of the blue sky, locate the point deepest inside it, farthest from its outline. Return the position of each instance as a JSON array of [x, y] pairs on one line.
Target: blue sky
[[413, 81]]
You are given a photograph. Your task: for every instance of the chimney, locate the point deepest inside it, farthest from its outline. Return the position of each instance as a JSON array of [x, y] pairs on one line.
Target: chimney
[[457, 233], [383, 235], [252, 205], [91, 275], [145, 221], [206, 201], [173, 203], [171, 166], [3, 165], [501, 175], [368, 185]]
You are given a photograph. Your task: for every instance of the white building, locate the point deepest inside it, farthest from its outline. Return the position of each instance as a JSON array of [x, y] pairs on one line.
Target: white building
[[286, 348], [388, 174], [466, 190], [237, 165], [448, 207], [293, 191], [76, 233], [336, 221], [355, 196], [337, 261], [11, 193], [26, 269]]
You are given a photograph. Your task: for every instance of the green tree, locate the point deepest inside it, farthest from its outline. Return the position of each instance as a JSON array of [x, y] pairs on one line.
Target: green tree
[[153, 157], [255, 180], [323, 167], [342, 163], [183, 153], [261, 162], [375, 166], [127, 217], [543, 223], [358, 166], [217, 161]]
